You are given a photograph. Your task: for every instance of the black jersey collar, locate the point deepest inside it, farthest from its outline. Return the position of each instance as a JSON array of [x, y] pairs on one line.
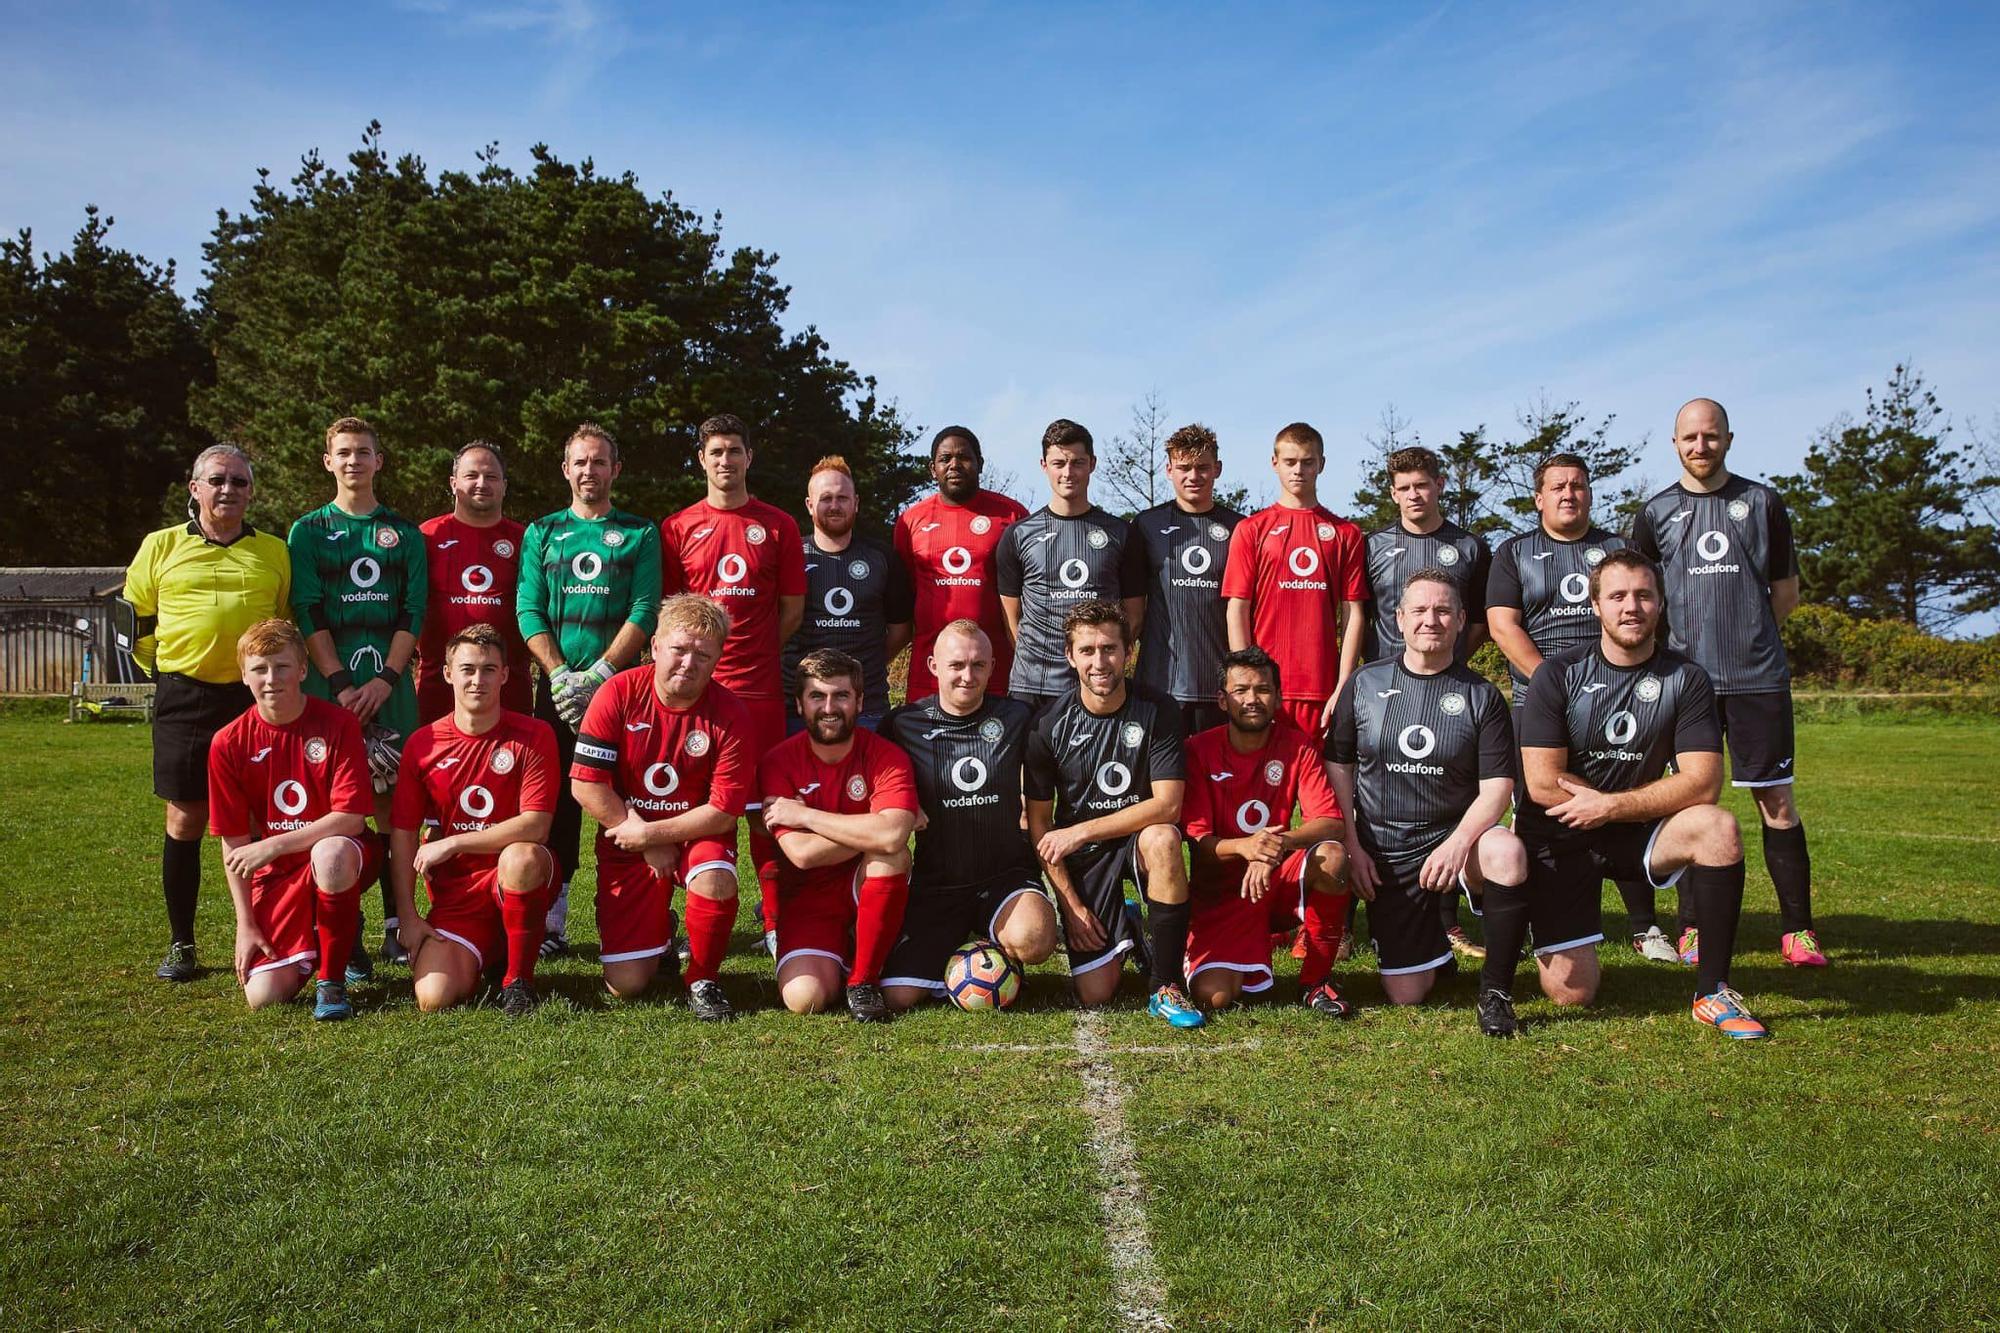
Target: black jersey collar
[[195, 530]]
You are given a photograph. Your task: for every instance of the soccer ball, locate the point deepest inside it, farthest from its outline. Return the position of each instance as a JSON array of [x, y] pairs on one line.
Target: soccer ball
[[979, 976]]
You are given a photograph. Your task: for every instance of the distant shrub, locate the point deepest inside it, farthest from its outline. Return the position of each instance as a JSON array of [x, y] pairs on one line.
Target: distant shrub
[[1830, 649]]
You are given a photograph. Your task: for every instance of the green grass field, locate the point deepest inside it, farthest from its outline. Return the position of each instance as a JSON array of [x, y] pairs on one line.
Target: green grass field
[[174, 1160]]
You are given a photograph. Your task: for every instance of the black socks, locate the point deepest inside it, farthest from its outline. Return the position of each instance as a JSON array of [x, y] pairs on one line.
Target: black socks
[[1506, 922], [180, 878], [1786, 858], [1717, 894], [1167, 936]]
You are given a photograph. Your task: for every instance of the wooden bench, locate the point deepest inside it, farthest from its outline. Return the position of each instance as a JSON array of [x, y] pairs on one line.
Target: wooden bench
[[96, 700]]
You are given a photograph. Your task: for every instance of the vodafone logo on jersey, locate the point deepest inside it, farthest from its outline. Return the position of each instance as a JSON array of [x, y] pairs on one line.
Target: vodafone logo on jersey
[[1253, 816], [1574, 587], [732, 568], [1073, 574], [290, 796], [839, 601], [587, 565], [365, 572], [476, 801], [1113, 778], [1621, 727], [1303, 561], [968, 774], [1712, 546], [662, 780], [476, 578], [1197, 559], [956, 560], [1416, 741]]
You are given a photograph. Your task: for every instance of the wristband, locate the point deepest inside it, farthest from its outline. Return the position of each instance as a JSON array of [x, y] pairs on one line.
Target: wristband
[[391, 674], [340, 682]]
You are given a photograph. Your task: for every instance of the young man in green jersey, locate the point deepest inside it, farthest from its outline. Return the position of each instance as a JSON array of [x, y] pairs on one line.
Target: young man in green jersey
[[359, 583], [587, 600]]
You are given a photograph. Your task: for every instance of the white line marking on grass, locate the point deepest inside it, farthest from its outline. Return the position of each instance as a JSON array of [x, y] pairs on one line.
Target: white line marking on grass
[[1064, 1048], [1136, 1283], [1912, 833]]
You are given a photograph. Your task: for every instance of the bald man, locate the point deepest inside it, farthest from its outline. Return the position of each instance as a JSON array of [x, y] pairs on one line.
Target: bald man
[[1724, 544]]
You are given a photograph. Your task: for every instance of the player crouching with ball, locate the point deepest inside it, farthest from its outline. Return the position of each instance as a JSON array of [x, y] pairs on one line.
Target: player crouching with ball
[[289, 795], [485, 778], [842, 803]]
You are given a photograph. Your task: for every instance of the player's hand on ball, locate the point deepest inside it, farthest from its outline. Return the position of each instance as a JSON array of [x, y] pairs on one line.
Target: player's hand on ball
[[1361, 871], [249, 858], [1586, 807], [1080, 926], [1256, 881], [412, 931], [251, 949], [435, 853]]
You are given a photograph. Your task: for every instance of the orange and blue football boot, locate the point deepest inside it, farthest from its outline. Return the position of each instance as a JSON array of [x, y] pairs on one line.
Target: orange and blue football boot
[[1725, 1012]]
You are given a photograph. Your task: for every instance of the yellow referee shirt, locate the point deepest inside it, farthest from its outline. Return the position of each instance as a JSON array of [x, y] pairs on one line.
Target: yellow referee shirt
[[204, 595]]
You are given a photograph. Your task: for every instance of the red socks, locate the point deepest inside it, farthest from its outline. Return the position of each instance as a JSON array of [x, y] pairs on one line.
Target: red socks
[[524, 916], [709, 922], [764, 855], [1326, 922], [337, 921], [878, 920]]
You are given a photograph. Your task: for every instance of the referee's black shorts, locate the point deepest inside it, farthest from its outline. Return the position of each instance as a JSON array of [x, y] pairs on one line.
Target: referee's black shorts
[[186, 715]]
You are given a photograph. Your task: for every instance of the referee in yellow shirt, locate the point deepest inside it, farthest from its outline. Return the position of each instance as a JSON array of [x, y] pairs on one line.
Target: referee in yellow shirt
[[195, 589]]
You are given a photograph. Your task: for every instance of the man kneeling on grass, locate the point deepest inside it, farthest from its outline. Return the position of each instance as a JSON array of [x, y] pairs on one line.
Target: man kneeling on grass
[[841, 802], [486, 779], [289, 794]]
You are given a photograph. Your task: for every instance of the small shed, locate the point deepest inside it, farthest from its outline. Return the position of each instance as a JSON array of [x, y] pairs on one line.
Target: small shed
[[60, 626]]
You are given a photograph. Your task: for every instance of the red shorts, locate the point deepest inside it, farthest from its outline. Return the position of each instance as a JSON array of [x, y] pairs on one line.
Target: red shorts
[[767, 732], [816, 912], [285, 907], [1305, 715], [1228, 931], [635, 912], [467, 912]]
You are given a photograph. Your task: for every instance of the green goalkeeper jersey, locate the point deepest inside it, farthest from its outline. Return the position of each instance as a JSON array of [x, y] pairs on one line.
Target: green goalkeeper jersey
[[361, 580], [584, 578]]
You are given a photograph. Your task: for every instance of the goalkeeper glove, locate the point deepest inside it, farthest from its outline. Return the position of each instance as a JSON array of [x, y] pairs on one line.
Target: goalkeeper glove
[[385, 755], [575, 689]]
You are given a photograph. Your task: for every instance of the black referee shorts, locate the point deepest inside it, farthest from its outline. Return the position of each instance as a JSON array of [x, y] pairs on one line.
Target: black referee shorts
[[1758, 730], [186, 715]]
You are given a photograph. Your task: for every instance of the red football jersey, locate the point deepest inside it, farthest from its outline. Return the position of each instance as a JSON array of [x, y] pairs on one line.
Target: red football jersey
[[746, 559], [1233, 795], [948, 550], [1296, 567], [875, 776], [463, 784], [473, 572], [664, 761], [264, 779]]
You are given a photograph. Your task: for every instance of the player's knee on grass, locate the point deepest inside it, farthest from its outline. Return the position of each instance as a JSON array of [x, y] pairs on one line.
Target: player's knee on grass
[[810, 985], [276, 986], [901, 998], [187, 820], [1570, 977], [1502, 857], [1166, 875], [1775, 806], [1027, 931], [1216, 988], [444, 973], [1409, 987], [336, 864], [717, 884], [1096, 986], [628, 979], [524, 867]]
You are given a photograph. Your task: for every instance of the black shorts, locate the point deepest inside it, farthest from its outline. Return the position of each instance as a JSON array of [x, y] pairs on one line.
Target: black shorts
[[1565, 880], [1758, 731], [1197, 718], [1404, 922], [937, 921], [1100, 873], [186, 715]]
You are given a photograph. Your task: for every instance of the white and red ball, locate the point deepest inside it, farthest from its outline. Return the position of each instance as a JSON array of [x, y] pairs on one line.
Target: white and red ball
[[979, 976]]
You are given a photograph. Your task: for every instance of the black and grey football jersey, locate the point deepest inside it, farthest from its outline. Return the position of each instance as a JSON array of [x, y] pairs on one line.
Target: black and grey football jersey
[[1186, 635], [1420, 746], [1547, 580], [1395, 553], [1052, 563], [969, 785], [1092, 766], [1720, 553], [1622, 726], [852, 597]]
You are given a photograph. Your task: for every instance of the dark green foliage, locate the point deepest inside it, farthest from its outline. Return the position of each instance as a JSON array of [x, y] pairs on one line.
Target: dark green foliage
[[512, 307], [1884, 514], [1831, 649], [97, 353]]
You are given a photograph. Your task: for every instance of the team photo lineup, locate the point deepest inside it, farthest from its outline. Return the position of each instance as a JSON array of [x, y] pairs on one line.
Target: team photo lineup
[[1179, 742]]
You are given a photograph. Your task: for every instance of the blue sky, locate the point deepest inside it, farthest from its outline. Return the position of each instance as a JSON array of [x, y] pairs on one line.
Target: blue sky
[[1010, 213]]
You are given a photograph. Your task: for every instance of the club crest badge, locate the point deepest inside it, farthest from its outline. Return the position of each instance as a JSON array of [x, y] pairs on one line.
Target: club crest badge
[[755, 534], [990, 730], [316, 751], [982, 525], [503, 548], [1593, 556], [1447, 556], [1452, 704], [1274, 773], [1134, 734], [1326, 531], [1648, 689], [857, 569], [857, 788], [1097, 539], [387, 537], [614, 537], [1217, 533], [696, 744], [503, 761], [1739, 510]]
